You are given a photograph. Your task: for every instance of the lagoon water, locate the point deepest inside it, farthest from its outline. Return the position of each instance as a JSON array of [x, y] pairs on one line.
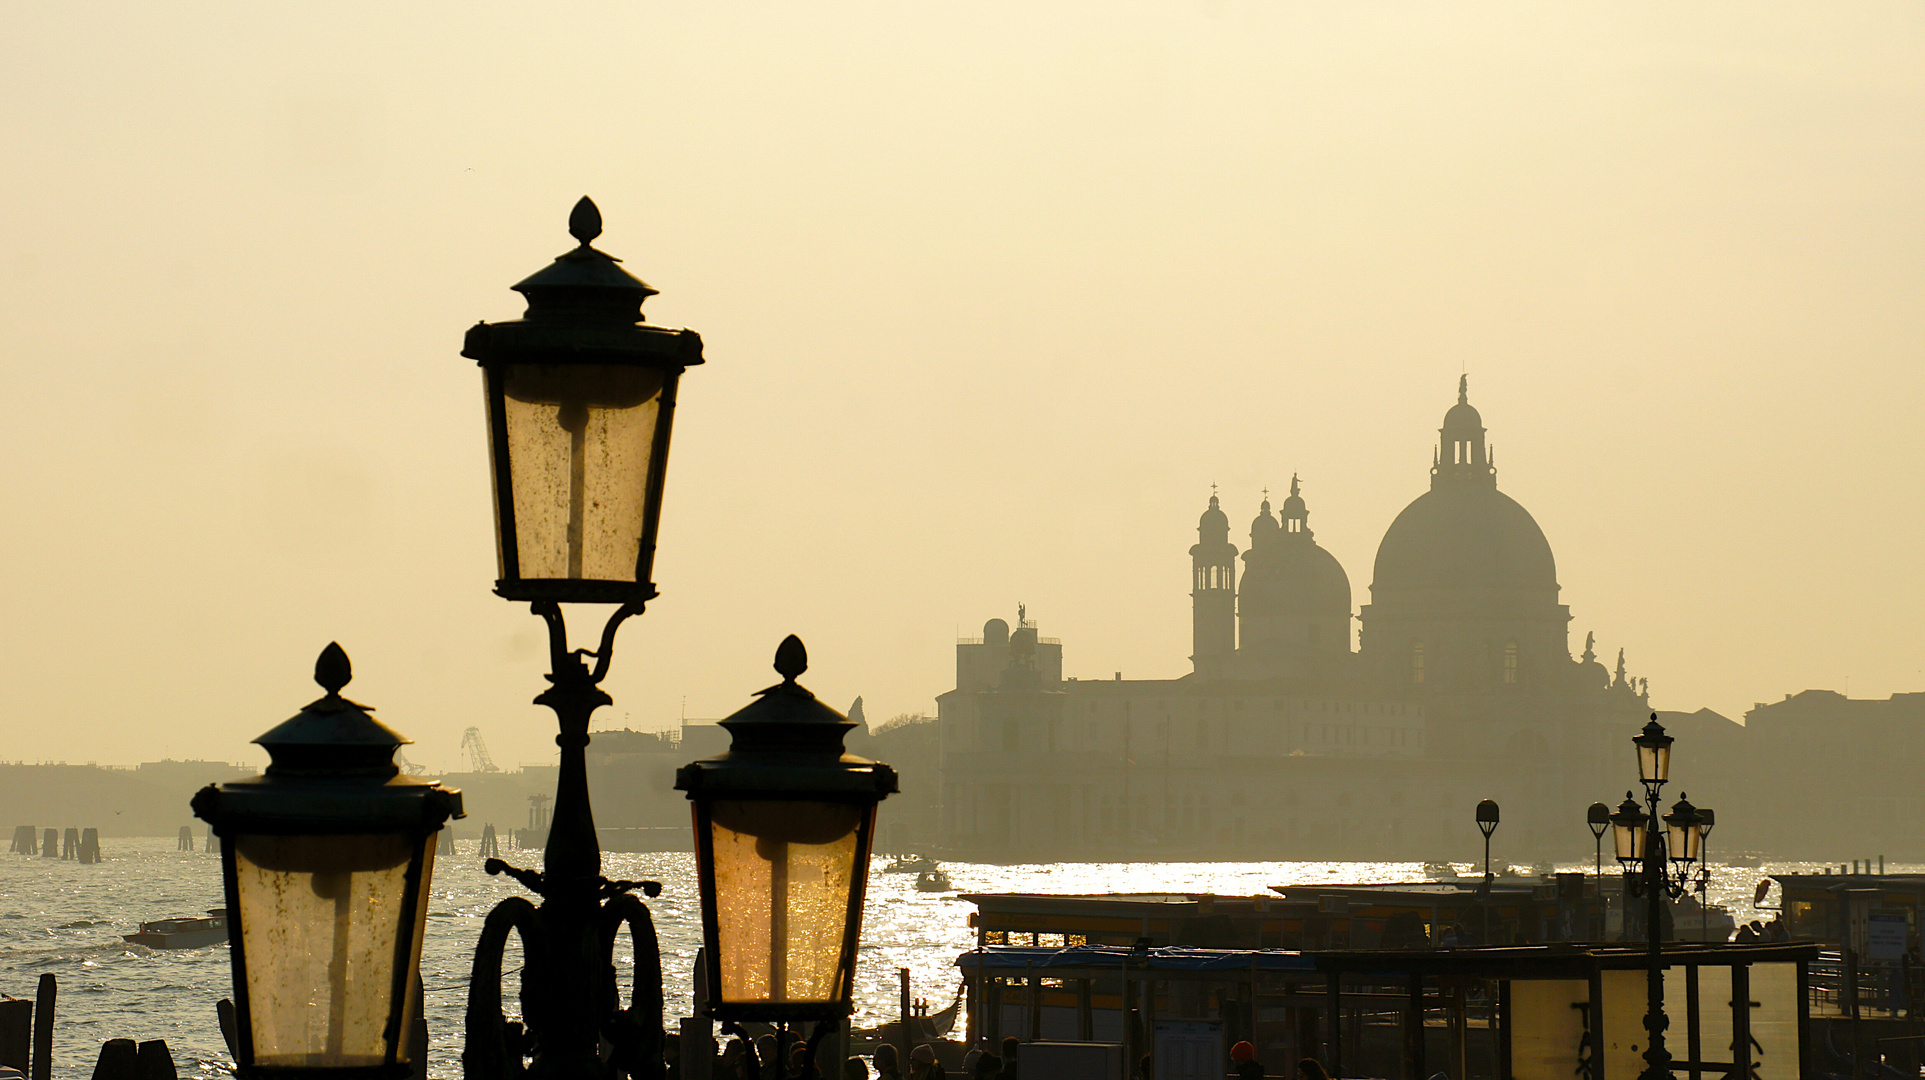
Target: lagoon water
[[68, 919]]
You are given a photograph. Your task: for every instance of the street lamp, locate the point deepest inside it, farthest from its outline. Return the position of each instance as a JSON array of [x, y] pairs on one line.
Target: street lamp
[[580, 392], [1709, 818], [1598, 817], [784, 823], [1487, 824], [326, 860], [1643, 849]]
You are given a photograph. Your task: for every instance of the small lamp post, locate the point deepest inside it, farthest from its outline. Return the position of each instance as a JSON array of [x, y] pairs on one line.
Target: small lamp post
[[580, 393], [1599, 819], [1709, 817], [784, 823], [1487, 824], [326, 860], [1643, 850]]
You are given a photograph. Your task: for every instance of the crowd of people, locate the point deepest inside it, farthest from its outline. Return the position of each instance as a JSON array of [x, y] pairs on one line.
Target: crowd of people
[[762, 1059]]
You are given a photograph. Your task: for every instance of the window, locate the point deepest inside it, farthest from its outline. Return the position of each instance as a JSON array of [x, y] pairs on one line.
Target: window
[[1417, 663], [1510, 663]]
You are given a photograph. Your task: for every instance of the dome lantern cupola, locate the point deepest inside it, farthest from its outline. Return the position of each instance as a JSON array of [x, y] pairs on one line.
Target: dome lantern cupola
[[1296, 518], [1461, 454]]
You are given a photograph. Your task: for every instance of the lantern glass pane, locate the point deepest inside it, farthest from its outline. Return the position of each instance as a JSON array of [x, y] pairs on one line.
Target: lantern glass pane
[[1654, 763], [1677, 842], [784, 874], [1630, 842], [319, 920], [580, 442]]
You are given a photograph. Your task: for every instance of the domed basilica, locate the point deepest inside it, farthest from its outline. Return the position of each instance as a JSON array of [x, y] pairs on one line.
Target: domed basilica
[[1285, 742]]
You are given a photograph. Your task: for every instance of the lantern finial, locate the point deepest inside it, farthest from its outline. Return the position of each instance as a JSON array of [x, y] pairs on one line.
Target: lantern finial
[[791, 659], [585, 221], [332, 669]]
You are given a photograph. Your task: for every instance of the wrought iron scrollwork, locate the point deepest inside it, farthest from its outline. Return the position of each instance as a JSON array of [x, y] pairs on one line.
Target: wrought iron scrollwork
[[573, 1021]]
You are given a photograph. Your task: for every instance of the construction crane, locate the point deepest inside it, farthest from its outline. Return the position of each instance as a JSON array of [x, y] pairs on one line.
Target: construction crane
[[407, 766], [478, 759]]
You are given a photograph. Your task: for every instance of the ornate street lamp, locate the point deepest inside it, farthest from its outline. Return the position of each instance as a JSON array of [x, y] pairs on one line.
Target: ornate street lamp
[[1598, 817], [1654, 754], [1627, 833], [327, 861], [1709, 817], [1643, 849], [784, 823], [1487, 824], [580, 392]]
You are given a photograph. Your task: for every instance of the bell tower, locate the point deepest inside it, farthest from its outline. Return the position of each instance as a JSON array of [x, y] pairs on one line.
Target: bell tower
[[1213, 593]]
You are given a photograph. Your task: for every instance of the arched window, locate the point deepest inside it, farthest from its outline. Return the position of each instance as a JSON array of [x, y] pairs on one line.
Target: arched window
[[1417, 663], [1510, 663]]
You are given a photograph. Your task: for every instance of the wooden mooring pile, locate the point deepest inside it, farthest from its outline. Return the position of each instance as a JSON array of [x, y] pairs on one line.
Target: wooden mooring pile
[[78, 845], [26, 1043]]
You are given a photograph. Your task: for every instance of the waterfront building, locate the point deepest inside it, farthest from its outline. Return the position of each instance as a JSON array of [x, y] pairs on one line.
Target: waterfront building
[[1291, 738]]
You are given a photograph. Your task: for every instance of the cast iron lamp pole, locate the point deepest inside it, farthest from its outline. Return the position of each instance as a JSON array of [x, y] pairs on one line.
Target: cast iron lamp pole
[[1707, 817], [1599, 819], [580, 394], [1642, 844], [1487, 824]]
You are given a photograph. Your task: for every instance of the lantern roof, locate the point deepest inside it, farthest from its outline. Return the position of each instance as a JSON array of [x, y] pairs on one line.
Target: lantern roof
[[583, 308], [332, 734], [787, 744], [331, 770], [584, 268]]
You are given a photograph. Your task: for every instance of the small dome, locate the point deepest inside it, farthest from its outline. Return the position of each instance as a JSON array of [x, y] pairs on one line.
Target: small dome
[[1463, 420], [1263, 527], [995, 632], [1464, 417], [1294, 577], [1214, 517]]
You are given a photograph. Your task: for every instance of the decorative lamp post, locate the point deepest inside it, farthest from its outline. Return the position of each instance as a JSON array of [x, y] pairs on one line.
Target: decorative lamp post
[[326, 860], [784, 823], [1643, 849], [580, 393], [1709, 817], [1598, 817], [1487, 824]]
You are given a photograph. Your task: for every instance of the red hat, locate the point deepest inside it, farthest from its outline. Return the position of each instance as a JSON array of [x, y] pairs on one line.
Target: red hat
[[1243, 1052]]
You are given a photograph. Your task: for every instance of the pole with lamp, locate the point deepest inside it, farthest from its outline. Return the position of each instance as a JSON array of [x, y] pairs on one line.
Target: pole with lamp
[[580, 394], [1599, 819], [1487, 824], [784, 826], [1643, 850], [327, 861], [1707, 817]]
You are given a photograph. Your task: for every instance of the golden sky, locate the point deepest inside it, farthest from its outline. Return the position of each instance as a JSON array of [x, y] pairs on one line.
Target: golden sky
[[992, 293]]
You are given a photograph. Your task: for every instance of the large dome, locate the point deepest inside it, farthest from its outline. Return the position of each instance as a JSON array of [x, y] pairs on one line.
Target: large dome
[[1464, 536]]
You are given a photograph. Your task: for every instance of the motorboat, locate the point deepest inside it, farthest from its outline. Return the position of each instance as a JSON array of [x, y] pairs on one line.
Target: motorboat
[[933, 881], [910, 864], [190, 932]]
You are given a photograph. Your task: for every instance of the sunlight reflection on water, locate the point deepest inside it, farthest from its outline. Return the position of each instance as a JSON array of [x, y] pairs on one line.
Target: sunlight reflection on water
[[109, 989]]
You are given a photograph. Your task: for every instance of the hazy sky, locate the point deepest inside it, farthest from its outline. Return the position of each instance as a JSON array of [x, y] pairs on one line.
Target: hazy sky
[[992, 293]]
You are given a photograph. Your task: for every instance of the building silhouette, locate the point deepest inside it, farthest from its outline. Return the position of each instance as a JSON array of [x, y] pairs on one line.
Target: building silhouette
[[1285, 741]]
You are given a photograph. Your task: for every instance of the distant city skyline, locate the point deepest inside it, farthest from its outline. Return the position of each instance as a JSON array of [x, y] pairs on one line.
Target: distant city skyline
[[991, 297]]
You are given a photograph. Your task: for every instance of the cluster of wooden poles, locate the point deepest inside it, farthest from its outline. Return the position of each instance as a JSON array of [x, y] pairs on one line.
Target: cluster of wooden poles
[[80, 845]]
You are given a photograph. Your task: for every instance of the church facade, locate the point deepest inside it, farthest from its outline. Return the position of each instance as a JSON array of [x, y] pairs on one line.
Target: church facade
[[1285, 742]]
